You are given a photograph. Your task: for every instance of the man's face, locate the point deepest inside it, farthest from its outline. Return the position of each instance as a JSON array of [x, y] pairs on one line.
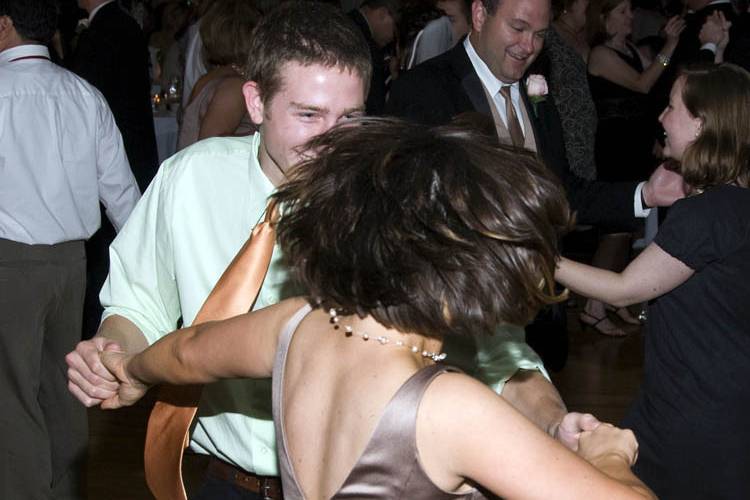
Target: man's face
[[382, 26], [310, 100], [510, 40]]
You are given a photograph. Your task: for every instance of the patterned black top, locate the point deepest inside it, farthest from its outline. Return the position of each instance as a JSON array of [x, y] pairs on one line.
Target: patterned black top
[[569, 87]]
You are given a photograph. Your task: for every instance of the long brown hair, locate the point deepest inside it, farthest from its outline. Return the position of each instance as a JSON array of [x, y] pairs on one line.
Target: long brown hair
[[720, 97]]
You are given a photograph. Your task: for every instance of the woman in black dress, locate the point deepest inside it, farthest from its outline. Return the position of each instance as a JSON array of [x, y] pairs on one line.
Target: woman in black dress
[[620, 80], [690, 414]]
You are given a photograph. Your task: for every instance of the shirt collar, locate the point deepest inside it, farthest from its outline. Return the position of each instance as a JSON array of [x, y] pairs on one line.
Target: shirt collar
[[715, 2], [490, 81], [97, 9], [27, 50]]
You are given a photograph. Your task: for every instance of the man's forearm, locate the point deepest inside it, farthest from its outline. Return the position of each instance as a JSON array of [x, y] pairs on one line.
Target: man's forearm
[[121, 330], [529, 392]]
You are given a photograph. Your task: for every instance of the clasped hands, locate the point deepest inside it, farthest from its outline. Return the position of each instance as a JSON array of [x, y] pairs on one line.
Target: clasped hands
[[98, 375]]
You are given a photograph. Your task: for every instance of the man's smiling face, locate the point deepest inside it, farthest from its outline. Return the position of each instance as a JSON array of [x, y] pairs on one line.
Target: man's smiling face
[[509, 40]]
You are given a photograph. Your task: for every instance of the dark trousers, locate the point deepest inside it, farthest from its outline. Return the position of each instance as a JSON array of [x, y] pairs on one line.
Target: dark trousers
[[43, 429], [219, 489]]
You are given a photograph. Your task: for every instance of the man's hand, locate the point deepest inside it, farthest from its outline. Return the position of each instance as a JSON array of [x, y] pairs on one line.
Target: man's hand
[[712, 30], [715, 30], [88, 379], [572, 425], [663, 188], [609, 442], [129, 389]]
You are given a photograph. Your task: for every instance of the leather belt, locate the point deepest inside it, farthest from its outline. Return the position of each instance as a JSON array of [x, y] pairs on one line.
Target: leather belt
[[268, 487]]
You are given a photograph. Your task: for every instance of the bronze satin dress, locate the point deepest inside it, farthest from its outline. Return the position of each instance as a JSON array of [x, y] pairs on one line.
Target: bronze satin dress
[[389, 467]]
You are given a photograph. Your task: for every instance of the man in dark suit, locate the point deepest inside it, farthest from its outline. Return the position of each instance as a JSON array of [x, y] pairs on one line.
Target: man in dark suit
[[112, 55], [377, 20], [506, 38], [485, 74], [691, 49]]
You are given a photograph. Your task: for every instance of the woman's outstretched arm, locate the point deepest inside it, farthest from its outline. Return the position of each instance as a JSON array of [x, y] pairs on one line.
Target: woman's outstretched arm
[[239, 347], [467, 436], [653, 273]]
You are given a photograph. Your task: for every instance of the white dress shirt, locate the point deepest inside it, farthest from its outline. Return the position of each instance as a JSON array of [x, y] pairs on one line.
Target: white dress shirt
[[60, 153]]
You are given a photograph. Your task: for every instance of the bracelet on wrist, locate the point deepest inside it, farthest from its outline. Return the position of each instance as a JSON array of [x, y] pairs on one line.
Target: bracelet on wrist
[[662, 59]]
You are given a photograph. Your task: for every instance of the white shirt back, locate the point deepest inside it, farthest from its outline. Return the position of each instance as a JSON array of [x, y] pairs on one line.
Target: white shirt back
[[60, 153]]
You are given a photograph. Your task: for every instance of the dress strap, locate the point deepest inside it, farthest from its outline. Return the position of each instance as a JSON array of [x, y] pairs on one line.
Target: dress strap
[[291, 490]]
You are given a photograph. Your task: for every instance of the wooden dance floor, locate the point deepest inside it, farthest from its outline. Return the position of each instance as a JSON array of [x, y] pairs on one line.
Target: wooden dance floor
[[601, 376]]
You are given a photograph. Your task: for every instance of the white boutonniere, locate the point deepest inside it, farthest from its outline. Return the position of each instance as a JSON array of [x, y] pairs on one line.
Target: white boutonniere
[[536, 89], [82, 25]]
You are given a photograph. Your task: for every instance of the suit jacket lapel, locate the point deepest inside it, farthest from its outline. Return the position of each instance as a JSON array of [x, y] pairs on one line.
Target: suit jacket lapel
[[472, 85], [468, 78]]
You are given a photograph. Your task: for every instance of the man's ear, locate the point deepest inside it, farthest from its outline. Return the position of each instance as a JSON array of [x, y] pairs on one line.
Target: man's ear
[[478, 15], [6, 26], [253, 101]]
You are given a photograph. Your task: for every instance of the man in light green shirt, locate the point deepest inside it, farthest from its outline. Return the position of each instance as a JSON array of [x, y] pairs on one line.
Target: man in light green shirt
[[308, 72]]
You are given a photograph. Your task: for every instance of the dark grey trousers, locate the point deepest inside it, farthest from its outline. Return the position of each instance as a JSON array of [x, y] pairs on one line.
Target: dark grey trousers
[[43, 428]]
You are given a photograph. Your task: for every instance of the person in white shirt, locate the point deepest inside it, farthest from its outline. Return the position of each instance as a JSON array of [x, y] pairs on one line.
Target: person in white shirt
[[60, 154]]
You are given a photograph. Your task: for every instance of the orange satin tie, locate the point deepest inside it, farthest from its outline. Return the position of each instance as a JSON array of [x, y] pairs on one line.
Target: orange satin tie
[[514, 126], [168, 431]]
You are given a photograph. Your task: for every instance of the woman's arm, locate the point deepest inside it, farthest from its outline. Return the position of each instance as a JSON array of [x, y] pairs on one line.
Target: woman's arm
[[225, 111], [604, 62], [653, 273], [465, 434], [239, 347]]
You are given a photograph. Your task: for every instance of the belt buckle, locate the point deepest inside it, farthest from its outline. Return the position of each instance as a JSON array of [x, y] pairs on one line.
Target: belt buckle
[[265, 490]]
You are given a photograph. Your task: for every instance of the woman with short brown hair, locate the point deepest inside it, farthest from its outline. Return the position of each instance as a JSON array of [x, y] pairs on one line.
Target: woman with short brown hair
[[690, 416]]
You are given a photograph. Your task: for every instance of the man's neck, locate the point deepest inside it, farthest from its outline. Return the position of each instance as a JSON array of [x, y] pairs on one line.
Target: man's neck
[[14, 42], [269, 167]]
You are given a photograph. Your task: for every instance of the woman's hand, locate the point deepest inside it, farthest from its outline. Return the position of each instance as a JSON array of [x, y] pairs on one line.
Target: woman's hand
[[130, 389], [607, 442]]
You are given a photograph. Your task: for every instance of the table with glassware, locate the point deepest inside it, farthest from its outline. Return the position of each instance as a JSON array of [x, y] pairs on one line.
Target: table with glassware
[[164, 105]]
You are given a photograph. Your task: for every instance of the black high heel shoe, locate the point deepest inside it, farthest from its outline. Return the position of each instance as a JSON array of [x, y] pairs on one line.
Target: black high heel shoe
[[590, 321], [624, 314]]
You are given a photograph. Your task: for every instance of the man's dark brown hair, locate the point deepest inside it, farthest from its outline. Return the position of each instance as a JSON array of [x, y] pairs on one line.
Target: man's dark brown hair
[[306, 33]]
